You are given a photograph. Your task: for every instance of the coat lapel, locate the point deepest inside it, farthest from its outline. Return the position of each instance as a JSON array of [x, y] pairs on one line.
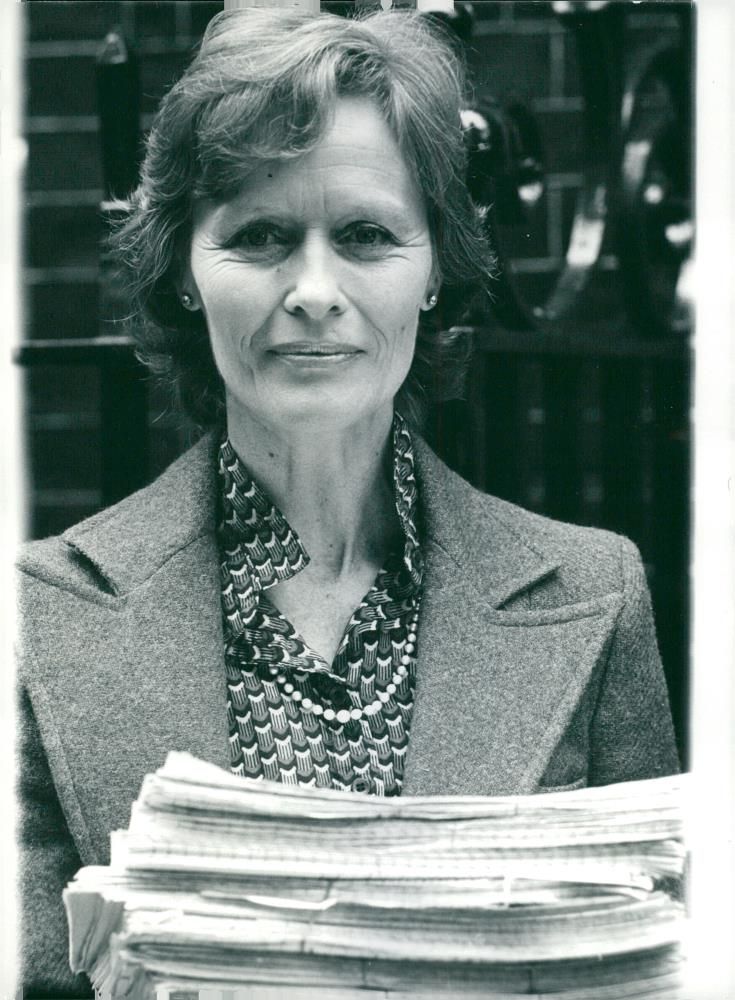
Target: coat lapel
[[496, 688], [152, 657]]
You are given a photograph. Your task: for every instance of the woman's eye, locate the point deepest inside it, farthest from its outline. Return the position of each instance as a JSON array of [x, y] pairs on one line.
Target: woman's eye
[[367, 238], [256, 236], [261, 239]]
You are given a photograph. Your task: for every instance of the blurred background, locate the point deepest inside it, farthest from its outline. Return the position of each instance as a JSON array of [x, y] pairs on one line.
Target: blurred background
[[580, 136]]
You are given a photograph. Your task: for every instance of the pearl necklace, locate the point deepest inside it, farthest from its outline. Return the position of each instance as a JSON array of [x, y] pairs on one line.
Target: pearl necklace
[[345, 715]]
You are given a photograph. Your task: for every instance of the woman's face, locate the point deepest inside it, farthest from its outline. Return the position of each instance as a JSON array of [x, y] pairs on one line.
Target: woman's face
[[311, 279]]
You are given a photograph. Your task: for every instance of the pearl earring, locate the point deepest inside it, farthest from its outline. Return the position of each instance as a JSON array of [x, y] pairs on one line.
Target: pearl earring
[[187, 301], [431, 301]]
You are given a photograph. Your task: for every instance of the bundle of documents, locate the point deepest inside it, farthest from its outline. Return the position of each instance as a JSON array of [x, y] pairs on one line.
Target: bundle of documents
[[228, 889]]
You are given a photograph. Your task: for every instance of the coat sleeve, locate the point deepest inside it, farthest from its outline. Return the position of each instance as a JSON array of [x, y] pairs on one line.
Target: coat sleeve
[[631, 733], [48, 861]]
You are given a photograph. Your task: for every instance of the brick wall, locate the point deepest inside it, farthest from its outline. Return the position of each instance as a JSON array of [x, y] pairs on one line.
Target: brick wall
[[63, 228]]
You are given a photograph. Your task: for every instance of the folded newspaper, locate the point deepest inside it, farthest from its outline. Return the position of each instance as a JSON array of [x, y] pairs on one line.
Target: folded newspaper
[[228, 889]]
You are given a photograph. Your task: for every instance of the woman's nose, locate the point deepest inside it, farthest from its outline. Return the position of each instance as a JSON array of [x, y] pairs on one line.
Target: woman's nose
[[315, 291]]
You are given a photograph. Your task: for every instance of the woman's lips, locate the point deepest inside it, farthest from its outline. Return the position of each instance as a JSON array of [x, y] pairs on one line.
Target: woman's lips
[[309, 349], [308, 354]]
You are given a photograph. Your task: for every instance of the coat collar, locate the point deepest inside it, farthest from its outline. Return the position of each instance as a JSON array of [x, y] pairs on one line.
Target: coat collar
[[131, 541], [473, 540], [181, 507]]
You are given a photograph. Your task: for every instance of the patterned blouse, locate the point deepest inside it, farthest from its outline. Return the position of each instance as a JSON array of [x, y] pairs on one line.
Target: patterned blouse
[[292, 716]]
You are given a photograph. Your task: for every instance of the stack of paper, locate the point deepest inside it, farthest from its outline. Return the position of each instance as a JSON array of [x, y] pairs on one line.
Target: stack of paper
[[226, 889]]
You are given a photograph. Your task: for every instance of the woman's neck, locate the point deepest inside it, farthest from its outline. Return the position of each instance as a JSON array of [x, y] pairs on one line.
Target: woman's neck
[[331, 485]]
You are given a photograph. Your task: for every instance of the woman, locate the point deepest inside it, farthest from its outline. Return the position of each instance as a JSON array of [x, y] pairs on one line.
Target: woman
[[309, 595]]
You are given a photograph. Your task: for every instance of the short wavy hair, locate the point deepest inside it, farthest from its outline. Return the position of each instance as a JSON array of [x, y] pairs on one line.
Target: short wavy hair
[[261, 89]]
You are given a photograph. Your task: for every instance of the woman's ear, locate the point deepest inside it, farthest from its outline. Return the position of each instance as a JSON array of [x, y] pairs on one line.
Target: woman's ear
[[432, 291], [187, 291]]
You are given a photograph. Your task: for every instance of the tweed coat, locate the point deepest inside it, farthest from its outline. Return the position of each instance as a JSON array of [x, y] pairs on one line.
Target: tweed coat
[[538, 667]]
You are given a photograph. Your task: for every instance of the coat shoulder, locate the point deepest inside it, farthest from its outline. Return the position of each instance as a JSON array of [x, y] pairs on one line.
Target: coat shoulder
[[120, 547], [592, 562], [511, 551]]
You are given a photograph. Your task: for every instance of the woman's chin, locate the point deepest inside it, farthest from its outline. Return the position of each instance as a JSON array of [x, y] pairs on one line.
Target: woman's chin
[[311, 406], [331, 411], [334, 390]]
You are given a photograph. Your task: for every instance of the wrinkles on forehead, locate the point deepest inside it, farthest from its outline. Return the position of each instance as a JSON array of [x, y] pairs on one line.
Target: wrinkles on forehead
[[357, 169], [228, 161]]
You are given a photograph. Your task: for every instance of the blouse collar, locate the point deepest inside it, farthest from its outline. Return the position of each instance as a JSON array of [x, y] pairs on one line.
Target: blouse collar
[[260, 548]]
